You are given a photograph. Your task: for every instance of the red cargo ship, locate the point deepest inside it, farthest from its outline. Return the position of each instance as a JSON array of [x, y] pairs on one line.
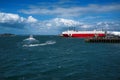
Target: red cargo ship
[[83, 34]]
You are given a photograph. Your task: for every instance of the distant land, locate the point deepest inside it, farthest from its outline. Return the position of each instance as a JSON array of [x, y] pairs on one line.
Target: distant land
[[6, 35]]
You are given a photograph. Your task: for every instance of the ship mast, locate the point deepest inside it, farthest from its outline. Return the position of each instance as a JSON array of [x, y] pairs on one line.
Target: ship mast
[[71, 28]]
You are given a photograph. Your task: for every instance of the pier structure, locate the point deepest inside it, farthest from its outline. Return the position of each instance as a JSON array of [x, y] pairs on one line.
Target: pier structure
[[103, 40], [107, 39]]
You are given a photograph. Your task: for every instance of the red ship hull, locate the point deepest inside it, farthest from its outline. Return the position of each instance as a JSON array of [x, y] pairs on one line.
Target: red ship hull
[[83, 34]]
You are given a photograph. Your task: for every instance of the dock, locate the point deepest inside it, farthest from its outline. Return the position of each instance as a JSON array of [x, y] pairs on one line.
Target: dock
[[103, 40]]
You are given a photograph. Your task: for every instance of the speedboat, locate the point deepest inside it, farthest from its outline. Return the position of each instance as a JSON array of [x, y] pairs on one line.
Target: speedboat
[[30, 38]]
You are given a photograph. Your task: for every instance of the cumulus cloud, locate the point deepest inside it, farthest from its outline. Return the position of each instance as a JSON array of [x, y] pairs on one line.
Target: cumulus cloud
[[55, 25], [65, 22], [31, 19], [9, 21], [105, 25], [86, 26], [8, 17], [14, 20], [71, 11]]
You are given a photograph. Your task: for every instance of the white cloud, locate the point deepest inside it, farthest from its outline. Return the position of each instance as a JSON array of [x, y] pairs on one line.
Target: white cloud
[[8, 17], [14, 23], [53, 26], [65, 22], [86, 26], [31, 19], [49, 24], [108, 25], [9, 20], [72, 11]]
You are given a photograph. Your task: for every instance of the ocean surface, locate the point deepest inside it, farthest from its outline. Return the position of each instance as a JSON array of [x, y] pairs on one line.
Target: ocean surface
[[58, 58]]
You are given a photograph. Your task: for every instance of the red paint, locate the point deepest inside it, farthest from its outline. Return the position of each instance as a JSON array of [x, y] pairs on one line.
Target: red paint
[[83, 35]]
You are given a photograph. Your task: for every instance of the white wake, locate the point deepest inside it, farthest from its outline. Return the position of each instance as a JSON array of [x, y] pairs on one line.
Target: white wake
[[42, 44]]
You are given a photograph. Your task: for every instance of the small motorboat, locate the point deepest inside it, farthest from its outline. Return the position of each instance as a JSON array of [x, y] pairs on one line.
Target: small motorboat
[[30, 40]]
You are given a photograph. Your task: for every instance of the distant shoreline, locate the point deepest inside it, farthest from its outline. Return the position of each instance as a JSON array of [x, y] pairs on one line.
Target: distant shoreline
[[11, 35], [7, 35]]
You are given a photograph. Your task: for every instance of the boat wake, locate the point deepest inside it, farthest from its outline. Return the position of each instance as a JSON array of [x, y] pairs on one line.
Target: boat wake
[[42, 44]]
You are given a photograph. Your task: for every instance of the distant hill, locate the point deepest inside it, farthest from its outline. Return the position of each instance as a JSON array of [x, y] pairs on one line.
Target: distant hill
[[7, 35]]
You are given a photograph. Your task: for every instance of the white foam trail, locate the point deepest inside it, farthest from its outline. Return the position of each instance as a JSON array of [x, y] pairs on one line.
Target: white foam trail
[[50, 42], [42, 44]]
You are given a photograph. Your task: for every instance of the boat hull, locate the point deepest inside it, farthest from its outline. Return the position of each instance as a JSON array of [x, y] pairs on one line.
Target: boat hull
[[83, 35]]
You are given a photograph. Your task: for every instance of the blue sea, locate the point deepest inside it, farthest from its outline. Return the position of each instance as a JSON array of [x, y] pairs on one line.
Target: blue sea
[[58, 58]]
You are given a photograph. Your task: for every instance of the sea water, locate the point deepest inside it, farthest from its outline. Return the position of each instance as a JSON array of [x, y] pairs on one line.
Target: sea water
[[58, 58]]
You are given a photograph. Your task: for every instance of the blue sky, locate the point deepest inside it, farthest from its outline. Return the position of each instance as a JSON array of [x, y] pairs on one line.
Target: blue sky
[[47, 17]]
